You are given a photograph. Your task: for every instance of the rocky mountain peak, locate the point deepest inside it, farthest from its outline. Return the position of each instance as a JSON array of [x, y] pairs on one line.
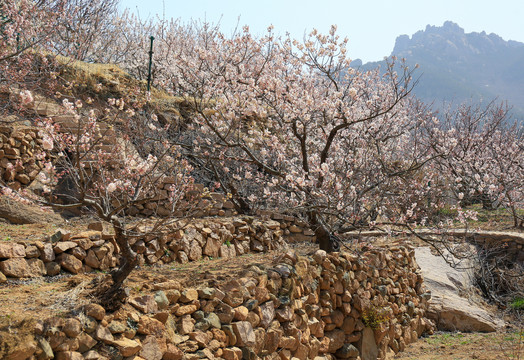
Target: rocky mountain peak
[[450, 40], [456, 66]]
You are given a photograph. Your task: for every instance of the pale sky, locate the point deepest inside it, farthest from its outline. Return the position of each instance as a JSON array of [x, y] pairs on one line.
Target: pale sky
[[371, 25]]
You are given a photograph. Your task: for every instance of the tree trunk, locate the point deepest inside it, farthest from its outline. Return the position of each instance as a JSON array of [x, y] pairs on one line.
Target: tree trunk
[[515, 217], [326, 242], [123, 272], [241, 206], [112, 294], [487, 202]]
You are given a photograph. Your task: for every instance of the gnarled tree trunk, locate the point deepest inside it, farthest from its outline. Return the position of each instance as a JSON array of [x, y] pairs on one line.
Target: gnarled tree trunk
[[325, 240], [111, 294]]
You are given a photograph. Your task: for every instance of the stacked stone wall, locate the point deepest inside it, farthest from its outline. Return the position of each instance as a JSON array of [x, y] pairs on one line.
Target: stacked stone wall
[[511, 245], [298, 307], [197, 203], [294, 229], [96, 249], [19, 165]]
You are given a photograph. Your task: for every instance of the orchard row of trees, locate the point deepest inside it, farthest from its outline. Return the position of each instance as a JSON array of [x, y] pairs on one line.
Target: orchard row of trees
[[276, 122]]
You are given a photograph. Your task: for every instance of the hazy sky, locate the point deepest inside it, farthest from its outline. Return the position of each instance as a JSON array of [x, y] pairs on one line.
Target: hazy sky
[[371, 25]]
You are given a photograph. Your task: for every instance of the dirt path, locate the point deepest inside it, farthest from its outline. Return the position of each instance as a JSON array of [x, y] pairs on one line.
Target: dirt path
[[467, 346]]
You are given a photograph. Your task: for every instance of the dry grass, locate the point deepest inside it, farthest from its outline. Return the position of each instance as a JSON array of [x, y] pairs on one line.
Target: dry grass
[[506, 345]]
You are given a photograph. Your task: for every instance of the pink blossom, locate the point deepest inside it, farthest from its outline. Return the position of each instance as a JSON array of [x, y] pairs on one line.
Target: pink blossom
[[111, 187], [47, 143], [26, 97]]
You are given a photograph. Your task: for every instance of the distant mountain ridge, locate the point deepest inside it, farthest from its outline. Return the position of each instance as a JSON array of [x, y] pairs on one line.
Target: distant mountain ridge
[[456, 66]]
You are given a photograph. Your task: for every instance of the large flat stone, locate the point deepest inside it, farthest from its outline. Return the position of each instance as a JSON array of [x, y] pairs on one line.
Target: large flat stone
[[447, 308]]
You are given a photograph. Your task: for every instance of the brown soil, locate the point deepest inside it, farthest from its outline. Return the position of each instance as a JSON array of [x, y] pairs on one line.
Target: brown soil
[[40, 230], [20, 213], [465, 346]]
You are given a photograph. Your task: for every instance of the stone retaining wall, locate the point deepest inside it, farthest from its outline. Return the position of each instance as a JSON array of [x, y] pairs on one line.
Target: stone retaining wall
[[19, 165], [496, 243], [298, 307], [198, 203], [97, 250], [295, 230]]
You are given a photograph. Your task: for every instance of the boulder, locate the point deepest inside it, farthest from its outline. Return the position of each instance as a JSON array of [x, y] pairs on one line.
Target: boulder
[[116, 327], [91, 260], [201, 338], [72, 327], [23, 350], [63, 246], [93, 355], [47, 352], [36, 267], [151, 349], [161, 300], [16, 267], [168, 285], [69, 355], [145, 304], [189, 295], [368, 346], [173, 353], [70, 263], [227, 251], [32, 251], [212, 247], [85, 342], [150, 326], [336, 340], [96, 311], [52, 268], [11, 250], [195, 251], [186, 325], [347, 351], [46, 253], [102, 333], [244, 333], [186, 310], [127, 347], [447, 308]]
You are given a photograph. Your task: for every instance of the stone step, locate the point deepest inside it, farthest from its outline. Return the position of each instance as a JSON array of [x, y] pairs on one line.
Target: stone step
[[69, 122], [106, 149], [46, 108], [111, 162]]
